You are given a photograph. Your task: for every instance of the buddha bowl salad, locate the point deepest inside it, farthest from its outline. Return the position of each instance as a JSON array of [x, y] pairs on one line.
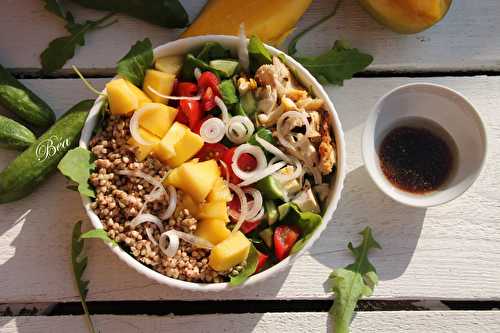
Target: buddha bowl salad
[[211, 167]]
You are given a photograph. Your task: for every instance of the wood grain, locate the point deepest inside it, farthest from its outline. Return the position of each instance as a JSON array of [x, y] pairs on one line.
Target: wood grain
[[467, 39], [447, 252], [364, 322]]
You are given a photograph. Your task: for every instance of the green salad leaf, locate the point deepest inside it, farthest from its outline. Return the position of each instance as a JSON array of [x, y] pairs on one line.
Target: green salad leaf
[[338, 64], [134, 64], [258, 54], [248, 270], [77, 165], [228, 92], [308, 222], [353, 282], [61, 49], [213, 51], [191, 62], [263, 133], [99, 234]]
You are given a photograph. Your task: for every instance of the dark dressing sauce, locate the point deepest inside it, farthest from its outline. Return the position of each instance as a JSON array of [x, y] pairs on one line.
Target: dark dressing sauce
[[415, 159]]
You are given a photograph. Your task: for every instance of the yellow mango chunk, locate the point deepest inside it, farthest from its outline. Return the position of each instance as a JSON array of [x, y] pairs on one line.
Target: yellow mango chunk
[[214, 210], [189, 144], [220, 192], [165, 150], [213, 230], [142, 98], [170, 64], [195, 179], [143, 151], [272, 20], [160, 82], [407, 17], [187, 202], [230, 252], [157, 118], [121, 99]]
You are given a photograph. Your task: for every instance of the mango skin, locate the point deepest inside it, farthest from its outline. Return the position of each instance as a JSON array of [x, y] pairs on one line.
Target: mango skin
[[271, 20], [409, 16]]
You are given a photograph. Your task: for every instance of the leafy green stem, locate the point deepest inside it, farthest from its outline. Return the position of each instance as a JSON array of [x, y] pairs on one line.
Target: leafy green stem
[[292, 47]]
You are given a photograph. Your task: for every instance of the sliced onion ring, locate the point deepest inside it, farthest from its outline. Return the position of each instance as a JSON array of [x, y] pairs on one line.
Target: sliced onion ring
[[281, 120], [197, 73], [174, 236], [298, 171], [151, 236], [243, 49], [272, 149], [256, 152], [212, 130], [226, 170], [139, 174], [259, 215], [256, 206], [173, 243], [223, 109], [143, 218], [239, 129], [243, 206], [263, 173], [134, 125], [176, 98], [172, 203]]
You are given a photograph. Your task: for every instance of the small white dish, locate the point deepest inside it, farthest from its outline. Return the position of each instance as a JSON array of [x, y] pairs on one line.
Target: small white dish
[[420, 105], [183, 46]]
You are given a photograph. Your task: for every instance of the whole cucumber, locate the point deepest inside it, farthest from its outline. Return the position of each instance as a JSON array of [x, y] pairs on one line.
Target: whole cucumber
[[32, 166], [165, 13], [14, 135], [15, 97]]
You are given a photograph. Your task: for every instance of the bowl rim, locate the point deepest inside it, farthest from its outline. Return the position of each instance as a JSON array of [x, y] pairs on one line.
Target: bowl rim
[[368, 140], [332, 201]]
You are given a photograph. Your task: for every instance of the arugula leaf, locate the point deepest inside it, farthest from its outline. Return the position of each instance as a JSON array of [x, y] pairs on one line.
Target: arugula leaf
[[56, 8], [134, 64], [336, 65], [228, 92], [79, 263], [308, 222], [77, 165], [353, 282], [250, 267], [61, 49], [213, 50], [191, 62], [99, 234], [258, 54]]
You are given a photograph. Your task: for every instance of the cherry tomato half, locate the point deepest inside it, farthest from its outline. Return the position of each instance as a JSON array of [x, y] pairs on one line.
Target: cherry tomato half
[[262, 259], [245, 162], [208, 100], [188, 89], [208, 79], [192, 111], [182, 118], [210, 151], [249, 226], [285, 237]]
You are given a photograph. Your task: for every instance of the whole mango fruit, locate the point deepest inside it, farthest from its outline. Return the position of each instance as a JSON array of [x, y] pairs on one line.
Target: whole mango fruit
[[407, 16]]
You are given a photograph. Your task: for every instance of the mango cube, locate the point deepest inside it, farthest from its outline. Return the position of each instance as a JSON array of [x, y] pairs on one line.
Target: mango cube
[[220, 192], [214, 210], [187, 202], [170, 64], [160, 82], [122, 100], [157, 118], [142, 151], [165, 150], [189, 144], [142, 98], [213, 230], [195, 179], [230, 252]]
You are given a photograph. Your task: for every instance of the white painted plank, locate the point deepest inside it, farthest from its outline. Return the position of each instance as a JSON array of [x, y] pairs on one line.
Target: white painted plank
[[447, 252], [364, 322], [467, 39]]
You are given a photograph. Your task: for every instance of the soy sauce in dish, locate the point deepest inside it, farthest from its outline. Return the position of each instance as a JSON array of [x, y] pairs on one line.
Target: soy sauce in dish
[[416, 159]]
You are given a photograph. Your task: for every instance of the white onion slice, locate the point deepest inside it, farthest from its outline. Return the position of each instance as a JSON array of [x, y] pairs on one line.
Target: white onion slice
[[281, 120], [172, 203], [263, 173], [223, 109], [212, 130], [176, 98], [256, 206], [298, 171], [272, 149], [139, 174], [243, 49], [256, 152], [197, 73], [226, 170], [243, 206], [174, 236], [151, 236], [173, 243], [258, 216], [134, 125], [143, 218], [239, 129]]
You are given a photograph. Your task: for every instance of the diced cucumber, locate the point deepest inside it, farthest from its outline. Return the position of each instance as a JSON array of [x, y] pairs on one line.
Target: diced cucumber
[[267, 237], [271, 212], [228, 67]]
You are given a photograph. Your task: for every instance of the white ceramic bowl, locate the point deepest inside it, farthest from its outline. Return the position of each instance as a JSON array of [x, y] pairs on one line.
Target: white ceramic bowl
[[183, 46], [425, 104]]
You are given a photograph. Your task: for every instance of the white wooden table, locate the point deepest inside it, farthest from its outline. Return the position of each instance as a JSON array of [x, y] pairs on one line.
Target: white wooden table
[[447, 253]]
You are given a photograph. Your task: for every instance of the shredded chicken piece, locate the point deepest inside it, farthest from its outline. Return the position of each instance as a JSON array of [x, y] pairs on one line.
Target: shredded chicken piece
[[314, 120], [310, 104], [327, 158], [276, 75], [322, 191], [296, 94], [267, 99], [270, 119]]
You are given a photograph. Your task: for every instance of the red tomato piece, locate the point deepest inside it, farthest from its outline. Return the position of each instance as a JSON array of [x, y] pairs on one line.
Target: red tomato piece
[[262, 259], [285, 237], [210, 151], [208, 100], [192, 111], [182, 118], [247, 162], [187, 89], [249, 226], [209, 80], [228, 159]]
